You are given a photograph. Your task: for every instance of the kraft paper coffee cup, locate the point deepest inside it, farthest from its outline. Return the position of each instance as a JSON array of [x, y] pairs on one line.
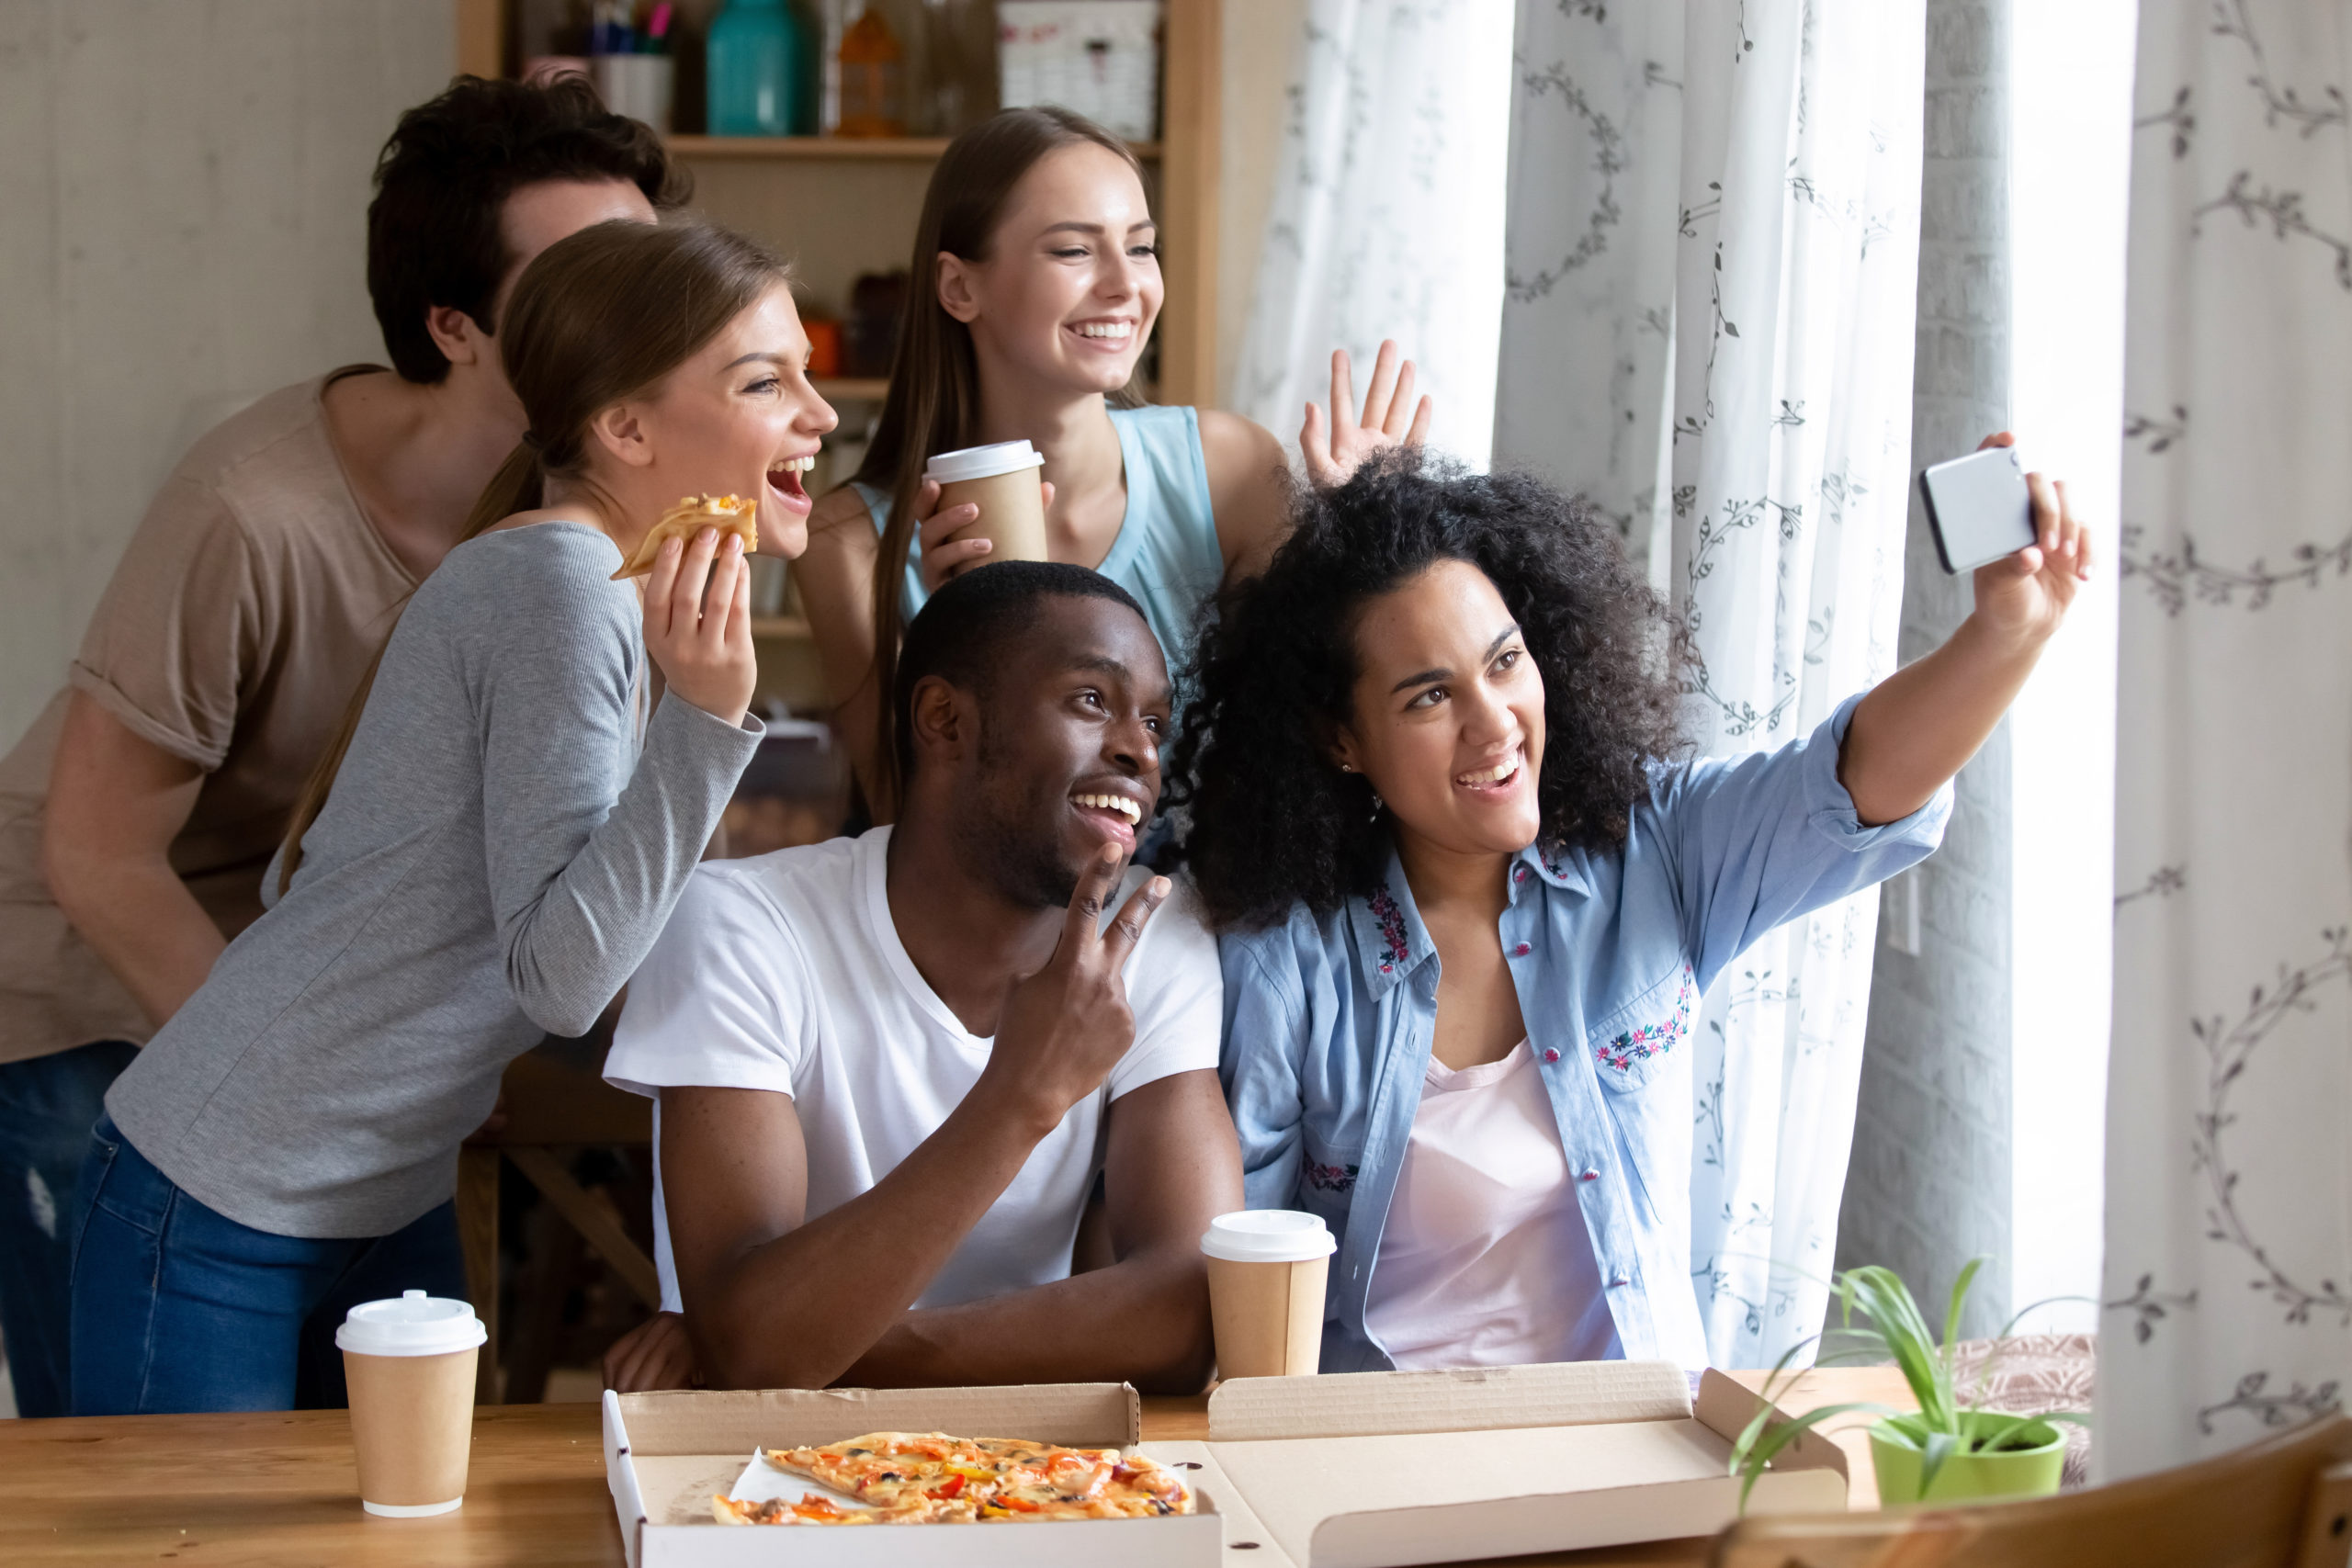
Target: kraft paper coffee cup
[[1267, 1270], [410, 1365], [1006, 481]]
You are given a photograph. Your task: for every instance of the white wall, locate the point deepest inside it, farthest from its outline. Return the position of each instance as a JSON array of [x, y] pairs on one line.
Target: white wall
[[184, 191], [2072, 101]]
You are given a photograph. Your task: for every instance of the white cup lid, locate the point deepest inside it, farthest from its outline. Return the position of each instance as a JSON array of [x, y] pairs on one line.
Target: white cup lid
[[415, 1325], [1268, 1235], [983, 462]]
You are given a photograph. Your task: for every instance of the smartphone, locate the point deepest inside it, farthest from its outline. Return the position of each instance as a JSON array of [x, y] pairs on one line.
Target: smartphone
[[1978, 508]]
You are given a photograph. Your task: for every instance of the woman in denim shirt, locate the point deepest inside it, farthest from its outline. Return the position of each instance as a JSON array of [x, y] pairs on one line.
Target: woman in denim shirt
[[1433, 740]]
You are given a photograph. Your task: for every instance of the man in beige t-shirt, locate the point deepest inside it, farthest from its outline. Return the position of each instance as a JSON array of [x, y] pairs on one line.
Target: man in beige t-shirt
[[137, 812]]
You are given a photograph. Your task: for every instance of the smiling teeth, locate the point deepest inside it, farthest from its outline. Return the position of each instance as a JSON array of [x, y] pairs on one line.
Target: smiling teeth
[[1118, 803], [1494, 774], [795, 465], [1107, 329]]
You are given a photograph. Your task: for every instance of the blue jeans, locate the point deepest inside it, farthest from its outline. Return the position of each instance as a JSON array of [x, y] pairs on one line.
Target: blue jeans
[[47, 1107], [178, 1307]]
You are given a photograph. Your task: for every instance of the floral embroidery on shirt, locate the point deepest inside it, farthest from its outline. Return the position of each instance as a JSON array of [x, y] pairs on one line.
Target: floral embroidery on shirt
[[1330, 1177], [1392, 928], [1650, 1039]]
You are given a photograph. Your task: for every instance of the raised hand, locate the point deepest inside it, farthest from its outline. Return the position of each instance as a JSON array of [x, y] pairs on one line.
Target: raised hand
[[2025, 596], [1064, 1028], [698, 623], [1334, 447]]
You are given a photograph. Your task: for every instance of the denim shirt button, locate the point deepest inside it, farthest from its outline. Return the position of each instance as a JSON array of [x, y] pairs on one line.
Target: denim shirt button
[[1619, 1280], [1520, 875], [1551, 1052], [1521, 951], [1590, 1175]]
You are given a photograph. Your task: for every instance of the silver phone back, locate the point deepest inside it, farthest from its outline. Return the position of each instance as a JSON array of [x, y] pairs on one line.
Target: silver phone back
[[1979, 508]]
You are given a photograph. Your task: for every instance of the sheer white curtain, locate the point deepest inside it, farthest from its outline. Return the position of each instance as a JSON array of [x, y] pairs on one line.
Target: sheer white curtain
[[2228, 1200], [1711, 271], [1387, 215]]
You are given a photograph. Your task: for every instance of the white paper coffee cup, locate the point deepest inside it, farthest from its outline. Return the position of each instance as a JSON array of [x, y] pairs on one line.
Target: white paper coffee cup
[[1268, 1269], [1006, 480], [410, 1366]]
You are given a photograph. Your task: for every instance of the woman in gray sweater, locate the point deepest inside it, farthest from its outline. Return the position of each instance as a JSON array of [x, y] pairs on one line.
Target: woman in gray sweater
[[485, 857]]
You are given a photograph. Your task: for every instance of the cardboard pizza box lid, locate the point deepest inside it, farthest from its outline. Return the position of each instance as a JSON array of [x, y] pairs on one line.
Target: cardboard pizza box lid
[[1380, 1469], [1468, 1399]]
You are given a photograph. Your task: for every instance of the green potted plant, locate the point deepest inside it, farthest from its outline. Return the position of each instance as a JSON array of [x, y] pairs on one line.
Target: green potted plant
[[1950, 1449]]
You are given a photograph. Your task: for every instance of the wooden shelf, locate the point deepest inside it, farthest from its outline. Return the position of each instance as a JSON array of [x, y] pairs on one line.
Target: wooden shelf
[[921, 149], [845, 206], [780, 629], [852, 388]]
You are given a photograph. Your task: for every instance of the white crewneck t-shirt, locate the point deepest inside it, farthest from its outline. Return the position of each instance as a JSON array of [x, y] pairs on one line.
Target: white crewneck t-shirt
[[784, 972], [1484, 1260]]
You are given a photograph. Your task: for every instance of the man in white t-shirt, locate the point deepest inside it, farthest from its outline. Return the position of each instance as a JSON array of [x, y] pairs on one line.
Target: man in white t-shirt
[[890, 1068]]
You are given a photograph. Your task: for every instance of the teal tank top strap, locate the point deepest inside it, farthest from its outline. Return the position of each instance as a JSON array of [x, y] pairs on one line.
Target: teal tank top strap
[[1167, 553], [878, 506]]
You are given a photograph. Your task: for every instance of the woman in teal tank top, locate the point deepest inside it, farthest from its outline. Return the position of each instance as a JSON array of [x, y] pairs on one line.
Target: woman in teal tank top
[[1165, 552], [1033, 288]]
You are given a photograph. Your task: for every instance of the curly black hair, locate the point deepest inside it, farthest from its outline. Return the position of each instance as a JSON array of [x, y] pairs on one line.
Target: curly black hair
[[1274, 819]]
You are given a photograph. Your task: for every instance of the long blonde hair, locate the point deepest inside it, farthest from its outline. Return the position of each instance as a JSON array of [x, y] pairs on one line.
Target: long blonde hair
[[597, 318], [933, 403]]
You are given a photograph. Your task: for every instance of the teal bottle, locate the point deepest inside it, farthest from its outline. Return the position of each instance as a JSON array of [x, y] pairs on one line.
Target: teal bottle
[[757, 69]]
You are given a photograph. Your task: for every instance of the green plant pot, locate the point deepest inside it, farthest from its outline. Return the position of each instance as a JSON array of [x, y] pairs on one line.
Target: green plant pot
[[2013, 1472]]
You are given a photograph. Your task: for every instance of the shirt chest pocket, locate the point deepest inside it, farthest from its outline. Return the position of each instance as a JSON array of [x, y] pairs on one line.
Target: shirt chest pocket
[[1326, 1182], [1636, 1042]]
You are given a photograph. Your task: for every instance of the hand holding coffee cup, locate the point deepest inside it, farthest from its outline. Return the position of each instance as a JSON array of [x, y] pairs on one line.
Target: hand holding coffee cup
[[990, 505], [1267, 1272], [410, 1367]]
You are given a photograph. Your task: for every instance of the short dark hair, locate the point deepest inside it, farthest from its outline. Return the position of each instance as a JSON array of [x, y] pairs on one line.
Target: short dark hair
[[1274, 819], [963, 631], [442, 181]]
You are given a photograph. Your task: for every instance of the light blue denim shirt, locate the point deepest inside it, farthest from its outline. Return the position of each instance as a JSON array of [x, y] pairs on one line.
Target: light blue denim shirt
[[1328, 1019]]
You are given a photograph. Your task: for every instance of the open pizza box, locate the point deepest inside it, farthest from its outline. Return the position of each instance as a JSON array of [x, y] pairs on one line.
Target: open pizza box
[[1362, 1470]]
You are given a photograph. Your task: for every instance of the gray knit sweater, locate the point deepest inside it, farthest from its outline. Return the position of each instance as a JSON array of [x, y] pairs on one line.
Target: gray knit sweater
[[497, 856]]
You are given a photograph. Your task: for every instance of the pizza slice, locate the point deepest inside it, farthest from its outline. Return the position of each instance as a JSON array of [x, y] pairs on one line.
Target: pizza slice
[[814, 1510], [727, 513], [998, 1479]]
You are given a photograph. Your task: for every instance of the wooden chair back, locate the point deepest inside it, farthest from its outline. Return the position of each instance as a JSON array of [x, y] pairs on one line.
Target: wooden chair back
[[2284, 1502]]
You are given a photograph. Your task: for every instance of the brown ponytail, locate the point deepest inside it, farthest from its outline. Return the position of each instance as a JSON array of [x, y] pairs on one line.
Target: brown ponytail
[[933, 403], [597, 318]]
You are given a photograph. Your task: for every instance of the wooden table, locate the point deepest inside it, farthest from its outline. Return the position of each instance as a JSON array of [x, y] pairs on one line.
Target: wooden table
[[246, 1491]]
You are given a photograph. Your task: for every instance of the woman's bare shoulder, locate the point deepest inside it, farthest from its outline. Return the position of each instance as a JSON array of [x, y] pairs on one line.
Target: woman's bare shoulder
[[1237, 448], [1249, 485]]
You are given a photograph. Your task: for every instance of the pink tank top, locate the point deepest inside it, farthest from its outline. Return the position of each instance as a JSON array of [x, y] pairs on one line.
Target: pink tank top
[[1485, 1259]]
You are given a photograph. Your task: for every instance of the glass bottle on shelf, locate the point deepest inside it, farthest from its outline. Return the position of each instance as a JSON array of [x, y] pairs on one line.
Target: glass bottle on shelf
[[961, 82], [808, 20], [911, 24], [873, 77], [755, 69]]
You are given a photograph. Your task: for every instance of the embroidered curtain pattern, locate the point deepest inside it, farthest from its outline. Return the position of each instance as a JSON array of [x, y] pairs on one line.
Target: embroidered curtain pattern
[[1709, 293], [2229, 1211], [1386, 218]]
